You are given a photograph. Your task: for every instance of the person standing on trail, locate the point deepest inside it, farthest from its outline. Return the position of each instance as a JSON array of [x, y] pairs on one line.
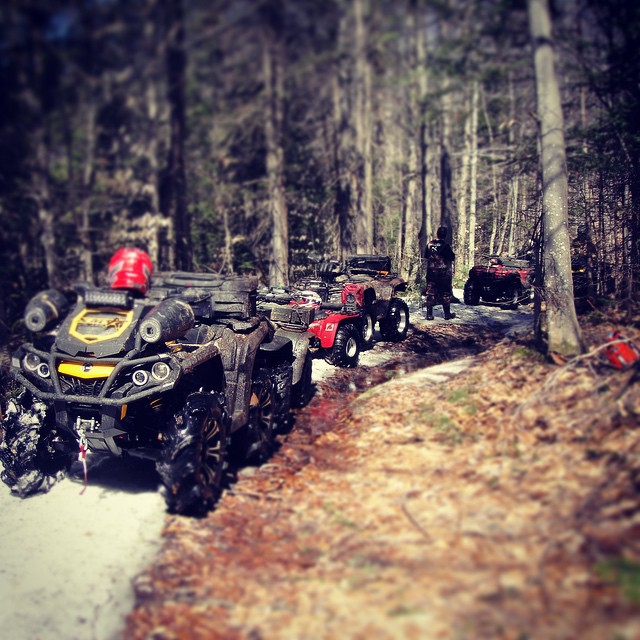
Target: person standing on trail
[[439, 258]]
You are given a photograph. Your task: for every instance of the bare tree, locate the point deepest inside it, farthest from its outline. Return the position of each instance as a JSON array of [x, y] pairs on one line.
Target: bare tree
[[563, 332], [175, 192], [273, 73], [473, 178]]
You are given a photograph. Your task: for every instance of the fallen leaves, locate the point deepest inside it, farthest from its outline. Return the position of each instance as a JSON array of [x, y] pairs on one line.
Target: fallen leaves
[[477, 508]]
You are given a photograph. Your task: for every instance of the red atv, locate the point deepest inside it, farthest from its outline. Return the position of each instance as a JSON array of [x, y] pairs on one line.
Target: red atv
[[504, 281], [333, 327], [366, 285]]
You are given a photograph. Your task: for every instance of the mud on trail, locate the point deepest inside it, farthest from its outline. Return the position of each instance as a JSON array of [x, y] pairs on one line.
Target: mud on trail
[[400, 508]]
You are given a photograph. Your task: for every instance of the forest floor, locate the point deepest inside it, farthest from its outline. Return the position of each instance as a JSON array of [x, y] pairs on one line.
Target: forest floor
[[497, 496]]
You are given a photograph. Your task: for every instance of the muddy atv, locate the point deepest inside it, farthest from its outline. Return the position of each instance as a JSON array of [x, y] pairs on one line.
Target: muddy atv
[[335, 329], [291, 321], [506, 282], [182, 377], [367, 286]]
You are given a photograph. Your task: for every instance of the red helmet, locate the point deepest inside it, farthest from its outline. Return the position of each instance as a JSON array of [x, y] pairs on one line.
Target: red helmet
[[130, 268]]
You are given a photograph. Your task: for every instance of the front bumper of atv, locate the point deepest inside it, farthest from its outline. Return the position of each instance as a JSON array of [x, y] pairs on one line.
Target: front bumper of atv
[[52, 376]]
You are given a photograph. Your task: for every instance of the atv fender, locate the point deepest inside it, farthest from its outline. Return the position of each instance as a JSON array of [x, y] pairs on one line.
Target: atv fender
[[325, 330], [300, 343], [239, 351]]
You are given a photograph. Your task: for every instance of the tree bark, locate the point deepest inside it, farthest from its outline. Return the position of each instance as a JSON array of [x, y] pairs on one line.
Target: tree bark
[[344, 144], [412, 178], [363, 129], [42, 196], [426, 222], [273, 75], [463, 192], [84, 230], [515, 194], [494, 179], [447, 206], [176, 180], [33, 100], [563, 332], [473, 178]]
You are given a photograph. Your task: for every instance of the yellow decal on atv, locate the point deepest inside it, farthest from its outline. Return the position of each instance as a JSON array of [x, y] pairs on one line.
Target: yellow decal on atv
[[98, 325], [85, 370]]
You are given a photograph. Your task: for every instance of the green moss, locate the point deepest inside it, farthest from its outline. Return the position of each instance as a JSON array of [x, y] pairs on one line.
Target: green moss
[[623, 573], [338, 517], [461, 394], [404, 611], [451, 433], [527, 353]]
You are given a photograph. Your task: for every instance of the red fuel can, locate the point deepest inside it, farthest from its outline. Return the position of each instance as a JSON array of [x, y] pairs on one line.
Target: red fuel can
[[621, 355]]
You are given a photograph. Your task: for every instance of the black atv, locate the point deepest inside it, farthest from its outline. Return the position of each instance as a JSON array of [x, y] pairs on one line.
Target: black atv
[[182, 376]]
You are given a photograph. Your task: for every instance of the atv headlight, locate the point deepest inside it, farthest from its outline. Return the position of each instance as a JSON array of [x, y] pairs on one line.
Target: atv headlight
[[351, 298], [31, 361], [43, 370], [160, 371], [140, 377]]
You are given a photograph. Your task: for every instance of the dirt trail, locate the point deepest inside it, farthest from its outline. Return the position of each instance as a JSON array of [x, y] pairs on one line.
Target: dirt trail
[[399, 508], [452, 486]]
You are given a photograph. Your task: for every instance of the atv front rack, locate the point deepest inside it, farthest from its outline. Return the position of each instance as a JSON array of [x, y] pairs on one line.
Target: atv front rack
[[117, 387]]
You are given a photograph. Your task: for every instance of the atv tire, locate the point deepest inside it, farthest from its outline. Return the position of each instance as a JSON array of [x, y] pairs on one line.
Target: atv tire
[[283, 379], [302, 390], [366, 333], [194, 458], [395, 326], [31, 462], [514, 293], [346, 347], [471, 294], [254, 443]]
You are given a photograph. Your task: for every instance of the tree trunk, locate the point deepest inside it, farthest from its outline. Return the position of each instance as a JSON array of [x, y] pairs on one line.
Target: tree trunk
[[508, 221], [463, 193], [344, 145], [363, 128], [273, 75], [42, 195], [515, 194], [176, 180], [353, 116], [494, 179], [447, 207], [426, 222], [33, 101], [473, 180], [411, 131], [563, 332], [84, 230]]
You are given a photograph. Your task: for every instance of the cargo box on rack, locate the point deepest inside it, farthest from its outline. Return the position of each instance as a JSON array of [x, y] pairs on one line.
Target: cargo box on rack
[[298, 315], [212, 294]]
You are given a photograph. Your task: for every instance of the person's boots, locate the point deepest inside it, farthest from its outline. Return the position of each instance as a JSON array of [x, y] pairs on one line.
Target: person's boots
[[447, 312], [429, 313]]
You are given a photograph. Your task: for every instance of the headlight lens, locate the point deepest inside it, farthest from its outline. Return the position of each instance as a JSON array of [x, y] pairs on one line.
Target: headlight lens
[[140, 377], [43, 370], [31, 361], [160, 371]]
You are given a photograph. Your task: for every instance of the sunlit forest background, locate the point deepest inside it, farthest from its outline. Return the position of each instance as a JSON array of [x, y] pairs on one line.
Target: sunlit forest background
[[209, 132]]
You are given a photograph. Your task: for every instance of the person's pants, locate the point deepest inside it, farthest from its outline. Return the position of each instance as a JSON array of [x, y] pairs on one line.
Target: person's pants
[[438, 289]]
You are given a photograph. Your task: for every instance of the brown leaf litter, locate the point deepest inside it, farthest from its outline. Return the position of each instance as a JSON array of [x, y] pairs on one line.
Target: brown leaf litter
[[500, 504]]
